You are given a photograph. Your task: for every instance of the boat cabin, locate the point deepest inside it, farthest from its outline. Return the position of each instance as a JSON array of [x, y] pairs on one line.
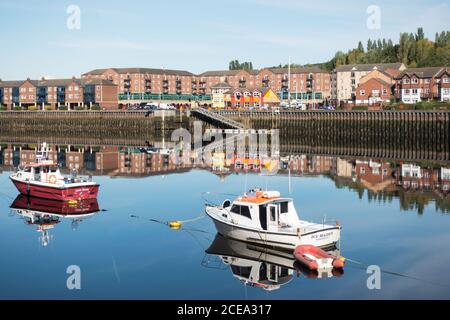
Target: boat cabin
[[41, 172], [265, 210]]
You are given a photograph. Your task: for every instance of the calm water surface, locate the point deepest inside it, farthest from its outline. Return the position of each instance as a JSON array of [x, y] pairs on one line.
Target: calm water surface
[[124, 253]]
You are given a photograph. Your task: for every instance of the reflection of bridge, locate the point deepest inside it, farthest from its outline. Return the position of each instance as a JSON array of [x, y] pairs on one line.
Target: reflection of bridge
[[216, 119]]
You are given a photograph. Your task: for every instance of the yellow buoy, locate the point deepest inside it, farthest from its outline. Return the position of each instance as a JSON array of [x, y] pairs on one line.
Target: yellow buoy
[[175, 225]]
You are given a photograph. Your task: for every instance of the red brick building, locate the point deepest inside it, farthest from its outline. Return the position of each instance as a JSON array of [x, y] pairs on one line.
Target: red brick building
[[423, 84], [53, 93], [372, 92], [147, 80]]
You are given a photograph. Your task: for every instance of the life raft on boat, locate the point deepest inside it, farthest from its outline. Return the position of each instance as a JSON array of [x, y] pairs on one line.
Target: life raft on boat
[[315, 258]]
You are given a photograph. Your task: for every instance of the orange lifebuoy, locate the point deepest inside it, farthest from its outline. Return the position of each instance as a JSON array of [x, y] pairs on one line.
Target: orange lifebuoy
[[52, 179]]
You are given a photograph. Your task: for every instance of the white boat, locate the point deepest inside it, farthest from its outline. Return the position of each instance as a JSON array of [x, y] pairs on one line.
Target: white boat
[[265, 218]]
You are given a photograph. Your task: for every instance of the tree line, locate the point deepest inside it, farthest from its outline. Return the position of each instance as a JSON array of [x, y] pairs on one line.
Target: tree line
[[412, 49], [236, 65]]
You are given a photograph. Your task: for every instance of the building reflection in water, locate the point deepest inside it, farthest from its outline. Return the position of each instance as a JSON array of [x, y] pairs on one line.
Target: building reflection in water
[[46, 214], [416, 184], [259, 267]]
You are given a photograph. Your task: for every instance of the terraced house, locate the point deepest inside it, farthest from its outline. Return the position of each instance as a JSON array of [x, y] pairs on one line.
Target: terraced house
[[423, 84], [54, 93]]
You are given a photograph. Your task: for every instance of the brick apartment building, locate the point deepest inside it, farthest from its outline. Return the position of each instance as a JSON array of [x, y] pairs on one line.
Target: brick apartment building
[[346, 78], [53, 93], [423, 84], [147, 81], [376, 88], [306, 83]]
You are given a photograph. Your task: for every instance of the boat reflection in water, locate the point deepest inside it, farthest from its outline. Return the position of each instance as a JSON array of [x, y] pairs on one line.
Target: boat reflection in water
[[45, 213], [258, 266]]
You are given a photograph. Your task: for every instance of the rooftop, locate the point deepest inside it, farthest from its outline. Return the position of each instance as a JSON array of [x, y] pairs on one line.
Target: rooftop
[[369, 67], [421, 72], [140, 70]]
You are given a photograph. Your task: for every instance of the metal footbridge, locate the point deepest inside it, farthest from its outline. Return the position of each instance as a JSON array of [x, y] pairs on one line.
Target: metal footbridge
[[216, 119]]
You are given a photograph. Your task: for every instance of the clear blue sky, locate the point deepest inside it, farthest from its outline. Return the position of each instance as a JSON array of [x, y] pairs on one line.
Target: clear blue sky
[[195, 35]]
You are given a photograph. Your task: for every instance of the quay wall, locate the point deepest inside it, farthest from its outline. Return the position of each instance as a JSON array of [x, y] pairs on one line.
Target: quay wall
[[385, 134]]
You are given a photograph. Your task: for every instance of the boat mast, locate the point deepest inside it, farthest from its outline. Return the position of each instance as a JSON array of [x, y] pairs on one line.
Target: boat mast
[[289, 82]]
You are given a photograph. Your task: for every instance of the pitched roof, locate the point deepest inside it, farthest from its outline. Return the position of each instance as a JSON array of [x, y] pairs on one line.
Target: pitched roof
[[296, 70], [56, 82], [140, 70], [97, 82], [420, 72], [387, 84], [10, 84], [369, 67], [443, 71], [221, 85], [220, 73]]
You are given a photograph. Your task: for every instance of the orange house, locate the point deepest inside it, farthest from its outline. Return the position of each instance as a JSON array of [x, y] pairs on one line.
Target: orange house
[[253, 98]]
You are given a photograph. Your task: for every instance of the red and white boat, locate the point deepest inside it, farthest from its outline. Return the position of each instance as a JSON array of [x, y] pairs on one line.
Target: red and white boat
[[43, 179], [315, 258]]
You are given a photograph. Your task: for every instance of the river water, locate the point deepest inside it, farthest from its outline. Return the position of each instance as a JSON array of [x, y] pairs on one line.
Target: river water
[[395, 216]]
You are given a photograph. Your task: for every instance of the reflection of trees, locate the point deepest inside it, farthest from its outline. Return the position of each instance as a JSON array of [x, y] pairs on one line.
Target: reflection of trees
[[408, 200]]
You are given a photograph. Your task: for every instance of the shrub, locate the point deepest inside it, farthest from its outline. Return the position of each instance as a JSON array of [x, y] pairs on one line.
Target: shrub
[[17, 108], [360, 108], [96, 107], [48, 108], [32, 108], [62, 108], [80, 108], [2, 108]]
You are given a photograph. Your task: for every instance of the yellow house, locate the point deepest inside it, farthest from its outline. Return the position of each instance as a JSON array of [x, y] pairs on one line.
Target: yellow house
[[218, 92]]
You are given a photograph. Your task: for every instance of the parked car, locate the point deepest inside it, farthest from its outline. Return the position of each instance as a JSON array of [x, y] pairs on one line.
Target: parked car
[[165, 106]]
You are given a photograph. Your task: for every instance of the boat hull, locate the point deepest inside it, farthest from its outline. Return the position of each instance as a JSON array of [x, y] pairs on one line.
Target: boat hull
[[57, 193], [322, 238]]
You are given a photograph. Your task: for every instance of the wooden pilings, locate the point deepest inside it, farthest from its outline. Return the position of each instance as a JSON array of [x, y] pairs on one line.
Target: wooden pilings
[[409, 135]]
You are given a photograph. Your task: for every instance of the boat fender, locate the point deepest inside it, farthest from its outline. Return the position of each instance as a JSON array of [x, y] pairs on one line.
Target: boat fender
[[338, 263]]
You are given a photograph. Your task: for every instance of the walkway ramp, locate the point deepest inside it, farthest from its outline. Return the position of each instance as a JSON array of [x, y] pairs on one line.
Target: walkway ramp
[[216, 119]]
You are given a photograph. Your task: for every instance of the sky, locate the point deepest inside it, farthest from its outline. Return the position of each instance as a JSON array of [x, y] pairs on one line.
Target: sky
[[195, 35]]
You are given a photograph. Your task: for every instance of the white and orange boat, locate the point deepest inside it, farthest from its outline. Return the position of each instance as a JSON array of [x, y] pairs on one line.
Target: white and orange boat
[[43, 179], [265, 218]]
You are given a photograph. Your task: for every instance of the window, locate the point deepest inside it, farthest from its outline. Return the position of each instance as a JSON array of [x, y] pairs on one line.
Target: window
[[362, 92], [273, 214], [242, 210], [406, 81], [446, 80], [415, 81], [384, 92], [284, 207]]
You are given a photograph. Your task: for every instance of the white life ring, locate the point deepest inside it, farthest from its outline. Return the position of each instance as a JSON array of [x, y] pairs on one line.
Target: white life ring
[[52, 179]]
